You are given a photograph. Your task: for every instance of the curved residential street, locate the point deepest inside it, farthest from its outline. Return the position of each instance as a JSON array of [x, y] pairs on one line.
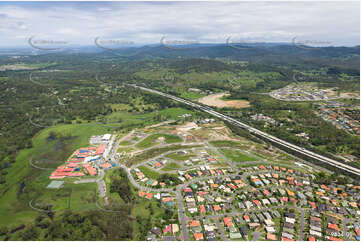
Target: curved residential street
[[234, 171]]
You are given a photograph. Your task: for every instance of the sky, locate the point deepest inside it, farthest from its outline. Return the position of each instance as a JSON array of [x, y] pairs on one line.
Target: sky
[[120, 23]]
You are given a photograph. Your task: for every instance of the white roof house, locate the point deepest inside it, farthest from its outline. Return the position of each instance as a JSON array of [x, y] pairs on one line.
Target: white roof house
[[106, 137], [315, 233], [290, 220], [270, 229]]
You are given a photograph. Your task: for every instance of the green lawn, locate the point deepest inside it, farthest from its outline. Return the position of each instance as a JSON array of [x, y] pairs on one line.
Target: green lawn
[[125, 143], [236, 155], [125, 149], [191, 95], [148, 154], [153, 174], [153, 139], [179, 157], [149, 172], [123, 119], [171, 167], [226, 143], [54, 153]]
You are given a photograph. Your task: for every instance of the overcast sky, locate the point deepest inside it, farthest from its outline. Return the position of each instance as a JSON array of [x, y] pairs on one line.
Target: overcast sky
[[331, 23]]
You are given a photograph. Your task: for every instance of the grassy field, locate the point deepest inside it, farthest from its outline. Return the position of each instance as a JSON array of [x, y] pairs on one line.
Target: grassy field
[[125, 143], [152, 153], [123, 119], [180, 157], [125, 149], [191, 95], [152, 140], [149, 172], [236, 155], [115, 200], [171, 167], [153, 174], [14, 208], [226, 143], [48, 156]]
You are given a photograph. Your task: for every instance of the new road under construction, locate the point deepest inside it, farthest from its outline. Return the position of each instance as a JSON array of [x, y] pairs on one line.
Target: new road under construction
[[288, 147]]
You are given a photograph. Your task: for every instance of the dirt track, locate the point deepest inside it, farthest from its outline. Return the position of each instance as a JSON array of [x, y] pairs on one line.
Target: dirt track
[[215, 100]]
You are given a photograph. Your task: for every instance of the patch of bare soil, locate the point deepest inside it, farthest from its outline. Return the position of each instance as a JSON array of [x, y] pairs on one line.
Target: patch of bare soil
[[349, 95], [216, 101], [188, 126]]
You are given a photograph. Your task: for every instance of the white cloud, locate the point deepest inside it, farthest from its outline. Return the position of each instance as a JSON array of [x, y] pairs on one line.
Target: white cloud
[[147, 22]]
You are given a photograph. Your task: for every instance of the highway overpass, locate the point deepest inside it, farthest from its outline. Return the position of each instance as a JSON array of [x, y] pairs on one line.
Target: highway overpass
[[304, 152]]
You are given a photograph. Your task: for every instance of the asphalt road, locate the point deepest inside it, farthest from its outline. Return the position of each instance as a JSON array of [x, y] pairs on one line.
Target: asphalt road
[[223, 236], [181, 214]]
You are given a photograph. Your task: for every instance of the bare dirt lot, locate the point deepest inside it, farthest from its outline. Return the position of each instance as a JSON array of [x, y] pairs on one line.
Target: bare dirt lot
[[349, 95], [216, 101]]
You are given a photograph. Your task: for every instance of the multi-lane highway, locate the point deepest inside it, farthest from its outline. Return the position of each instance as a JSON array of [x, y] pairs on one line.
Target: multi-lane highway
[[295, 148]]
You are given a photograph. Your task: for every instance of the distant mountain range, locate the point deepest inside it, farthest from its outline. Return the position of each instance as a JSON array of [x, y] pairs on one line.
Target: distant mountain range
[[215, 50], [265, 53]]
